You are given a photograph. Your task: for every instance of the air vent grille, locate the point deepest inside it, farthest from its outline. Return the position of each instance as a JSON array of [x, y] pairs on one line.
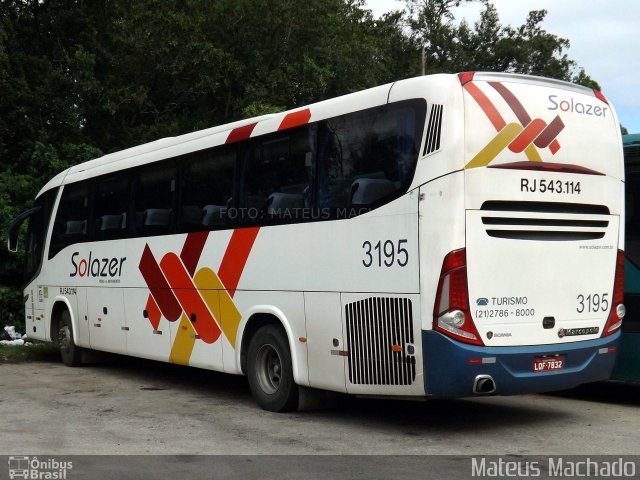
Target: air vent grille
[[380, 341], [548, 221], [434, 130]]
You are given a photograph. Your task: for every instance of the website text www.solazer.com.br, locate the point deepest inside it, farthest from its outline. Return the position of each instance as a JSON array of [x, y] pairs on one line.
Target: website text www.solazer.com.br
[[556, 467]]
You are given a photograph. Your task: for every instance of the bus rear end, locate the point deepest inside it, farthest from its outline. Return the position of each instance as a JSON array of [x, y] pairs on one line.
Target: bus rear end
[[534, 300]]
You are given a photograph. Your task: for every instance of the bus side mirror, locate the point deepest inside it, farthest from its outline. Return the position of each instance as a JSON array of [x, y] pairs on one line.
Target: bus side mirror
[[12, 241], [14, 228]]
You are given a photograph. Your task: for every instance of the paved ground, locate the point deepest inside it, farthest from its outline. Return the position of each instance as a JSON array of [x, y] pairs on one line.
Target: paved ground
[[128, 406]]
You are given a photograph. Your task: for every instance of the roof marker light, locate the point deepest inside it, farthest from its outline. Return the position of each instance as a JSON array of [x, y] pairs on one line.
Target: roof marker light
[[601, 96], [465, 77]]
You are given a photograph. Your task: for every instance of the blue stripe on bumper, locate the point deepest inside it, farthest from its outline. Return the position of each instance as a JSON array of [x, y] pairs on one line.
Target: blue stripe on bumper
[[447, 371]]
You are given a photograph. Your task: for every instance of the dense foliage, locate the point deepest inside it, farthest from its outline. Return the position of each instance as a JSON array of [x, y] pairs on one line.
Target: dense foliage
[[79, 78]]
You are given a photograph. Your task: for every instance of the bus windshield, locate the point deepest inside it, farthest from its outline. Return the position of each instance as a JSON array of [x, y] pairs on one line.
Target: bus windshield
[[36, 233]]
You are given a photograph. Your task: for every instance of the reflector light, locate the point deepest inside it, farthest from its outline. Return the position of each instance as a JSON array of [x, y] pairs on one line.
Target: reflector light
[[480, 361], [466, 77], [600, 96], [396, 348], [614, 322], [451, 313]]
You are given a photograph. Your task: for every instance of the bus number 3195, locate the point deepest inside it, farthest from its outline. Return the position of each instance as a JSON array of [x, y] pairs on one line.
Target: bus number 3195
[[385, 253]]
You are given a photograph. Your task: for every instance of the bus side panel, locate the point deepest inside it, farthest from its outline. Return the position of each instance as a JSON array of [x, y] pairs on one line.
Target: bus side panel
[[82, 314], [107, 319], [325, 343], [442, 229], [203, 354], [144, 340], [374, 252]]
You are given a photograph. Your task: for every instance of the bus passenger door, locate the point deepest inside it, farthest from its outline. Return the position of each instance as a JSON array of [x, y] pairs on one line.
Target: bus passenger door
[[325, 341], [107, 325]]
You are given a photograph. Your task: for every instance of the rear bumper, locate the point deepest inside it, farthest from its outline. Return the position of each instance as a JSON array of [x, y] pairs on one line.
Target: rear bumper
[[447, 371]]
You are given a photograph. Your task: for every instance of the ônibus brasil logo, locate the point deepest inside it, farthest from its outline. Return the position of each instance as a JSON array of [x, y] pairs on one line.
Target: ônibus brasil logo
[[96, 267], [35, 468]]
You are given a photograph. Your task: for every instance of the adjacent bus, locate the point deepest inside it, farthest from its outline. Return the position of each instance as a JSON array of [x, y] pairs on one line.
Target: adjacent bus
[[447, 235], [628, 364]]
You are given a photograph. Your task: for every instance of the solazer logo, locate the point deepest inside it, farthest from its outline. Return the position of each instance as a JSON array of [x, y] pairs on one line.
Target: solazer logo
[[573, 106], [96, 267]]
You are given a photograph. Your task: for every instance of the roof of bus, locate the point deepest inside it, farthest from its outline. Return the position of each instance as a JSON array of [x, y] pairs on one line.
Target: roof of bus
[[195, 140], [533, 79]]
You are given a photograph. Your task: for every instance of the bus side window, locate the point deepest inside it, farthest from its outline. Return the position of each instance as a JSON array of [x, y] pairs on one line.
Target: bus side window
[[154, 200], [111, 203], [72, 218], [207, 190], [277, 176], [367, 158]]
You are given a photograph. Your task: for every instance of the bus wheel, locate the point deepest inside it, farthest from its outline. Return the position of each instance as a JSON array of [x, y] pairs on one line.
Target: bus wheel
[[71, 354], [270, 372]]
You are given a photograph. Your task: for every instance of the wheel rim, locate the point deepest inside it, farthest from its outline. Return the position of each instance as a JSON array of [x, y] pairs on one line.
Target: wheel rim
[[64, 338], [269, 369]]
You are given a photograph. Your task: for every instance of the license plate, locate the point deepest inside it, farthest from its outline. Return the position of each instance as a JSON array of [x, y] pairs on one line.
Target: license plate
[[548, 364]]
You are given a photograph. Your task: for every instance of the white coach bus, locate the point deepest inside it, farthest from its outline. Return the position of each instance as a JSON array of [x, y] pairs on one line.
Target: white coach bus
[[448, 235]]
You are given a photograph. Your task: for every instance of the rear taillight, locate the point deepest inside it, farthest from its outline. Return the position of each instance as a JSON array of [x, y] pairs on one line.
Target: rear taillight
[[451, 314], [614, 322]]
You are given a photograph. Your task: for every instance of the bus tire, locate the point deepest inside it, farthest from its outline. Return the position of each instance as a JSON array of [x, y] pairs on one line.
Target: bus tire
[[71, 354], [270, 371]]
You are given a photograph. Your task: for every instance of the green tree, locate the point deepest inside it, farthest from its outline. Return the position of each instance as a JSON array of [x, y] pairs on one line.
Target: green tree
[[527, 49]]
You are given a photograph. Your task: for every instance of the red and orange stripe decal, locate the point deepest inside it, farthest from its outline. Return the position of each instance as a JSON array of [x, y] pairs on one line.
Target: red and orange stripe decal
[[235, 257], [201, 299], [241, 133], [487, 107], [295, 119], [522, 137]]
